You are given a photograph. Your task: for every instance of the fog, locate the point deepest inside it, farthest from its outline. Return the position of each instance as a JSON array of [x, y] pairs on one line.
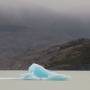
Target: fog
[[55, 21], [71, 7]]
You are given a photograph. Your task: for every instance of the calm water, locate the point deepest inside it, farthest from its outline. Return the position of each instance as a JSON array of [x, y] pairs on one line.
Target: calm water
[[80, 81]]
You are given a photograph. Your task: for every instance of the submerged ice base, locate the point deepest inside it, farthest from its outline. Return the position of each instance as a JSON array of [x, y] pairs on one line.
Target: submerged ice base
[[37, 72]]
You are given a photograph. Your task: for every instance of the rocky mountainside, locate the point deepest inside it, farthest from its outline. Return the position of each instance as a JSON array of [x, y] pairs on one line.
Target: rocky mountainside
[[73, 55], [24, 28]]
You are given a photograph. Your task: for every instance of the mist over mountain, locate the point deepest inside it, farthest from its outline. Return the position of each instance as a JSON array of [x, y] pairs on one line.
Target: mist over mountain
[[38, 27], [29, 27]]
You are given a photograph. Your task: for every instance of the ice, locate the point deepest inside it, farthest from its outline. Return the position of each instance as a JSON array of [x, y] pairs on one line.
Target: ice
[[37, 72]]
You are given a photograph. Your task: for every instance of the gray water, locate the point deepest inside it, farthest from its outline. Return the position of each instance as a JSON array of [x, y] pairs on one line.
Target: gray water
[[80, 81]]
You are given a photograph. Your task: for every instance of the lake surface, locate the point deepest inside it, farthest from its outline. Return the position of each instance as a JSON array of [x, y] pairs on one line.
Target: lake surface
[[80, 81]]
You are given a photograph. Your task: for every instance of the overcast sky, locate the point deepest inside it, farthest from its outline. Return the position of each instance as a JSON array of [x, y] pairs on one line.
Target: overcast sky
[[78, 7]]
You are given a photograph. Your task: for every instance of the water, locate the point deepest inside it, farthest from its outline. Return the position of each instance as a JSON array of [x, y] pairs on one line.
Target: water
[[80, 81]]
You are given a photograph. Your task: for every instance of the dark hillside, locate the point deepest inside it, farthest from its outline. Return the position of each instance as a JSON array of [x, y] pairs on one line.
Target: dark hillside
[[74, 55]]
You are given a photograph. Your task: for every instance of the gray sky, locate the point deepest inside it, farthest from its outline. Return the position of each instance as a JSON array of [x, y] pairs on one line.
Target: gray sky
[[78, 7]]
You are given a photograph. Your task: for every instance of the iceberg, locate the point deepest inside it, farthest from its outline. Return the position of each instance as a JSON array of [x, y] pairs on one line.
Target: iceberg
[[37, 72]]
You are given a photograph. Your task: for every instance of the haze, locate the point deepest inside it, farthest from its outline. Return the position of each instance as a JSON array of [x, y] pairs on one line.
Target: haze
[[72, 7], [53, 19]]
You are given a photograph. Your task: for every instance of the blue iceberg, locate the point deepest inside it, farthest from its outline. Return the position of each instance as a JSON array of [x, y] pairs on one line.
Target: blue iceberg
[[37, 72]]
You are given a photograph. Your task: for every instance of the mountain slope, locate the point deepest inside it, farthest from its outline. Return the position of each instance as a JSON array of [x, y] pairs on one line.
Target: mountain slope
[[23, 28], [74, 55]]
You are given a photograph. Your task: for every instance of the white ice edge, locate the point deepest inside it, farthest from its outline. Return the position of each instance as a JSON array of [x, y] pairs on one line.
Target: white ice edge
[[15, 78]]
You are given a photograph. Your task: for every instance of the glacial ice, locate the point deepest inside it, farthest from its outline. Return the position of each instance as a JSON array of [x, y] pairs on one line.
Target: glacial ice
[[37, 72]]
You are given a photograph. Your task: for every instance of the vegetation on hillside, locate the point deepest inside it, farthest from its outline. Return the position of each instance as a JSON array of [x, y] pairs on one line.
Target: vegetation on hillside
[[73, 55]]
